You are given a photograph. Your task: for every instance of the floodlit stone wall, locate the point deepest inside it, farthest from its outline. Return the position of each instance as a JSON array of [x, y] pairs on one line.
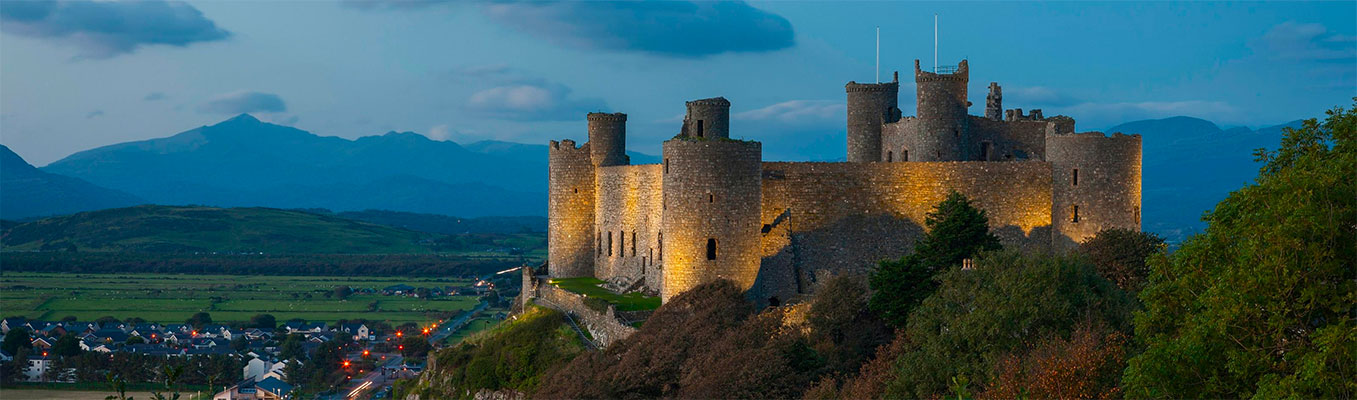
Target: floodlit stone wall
[[628, 219], [711, 208], [570, 210], [603, 326], [1107, 190]]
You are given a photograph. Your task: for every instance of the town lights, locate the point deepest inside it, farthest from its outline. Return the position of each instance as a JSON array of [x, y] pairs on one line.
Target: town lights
[[346, 363], [365, 353], [399, 333]]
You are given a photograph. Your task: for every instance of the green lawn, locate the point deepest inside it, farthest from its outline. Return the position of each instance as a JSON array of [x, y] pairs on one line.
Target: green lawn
[[479, 324], [172, 298], [589, 287]]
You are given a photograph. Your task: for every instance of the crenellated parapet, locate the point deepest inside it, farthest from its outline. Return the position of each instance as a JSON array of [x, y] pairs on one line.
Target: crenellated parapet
[[870, 105]]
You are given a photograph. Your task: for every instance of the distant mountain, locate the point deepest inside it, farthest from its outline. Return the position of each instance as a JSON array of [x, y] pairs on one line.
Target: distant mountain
[[27, 192], [182, 229], [1191, 164]]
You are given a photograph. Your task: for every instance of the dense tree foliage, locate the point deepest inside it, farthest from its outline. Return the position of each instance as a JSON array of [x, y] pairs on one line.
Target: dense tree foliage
[[979, 316], [66, 346], [1262, 303], [17, 338], [1120, 255], [198, 320], [956, 231], [263, 321]]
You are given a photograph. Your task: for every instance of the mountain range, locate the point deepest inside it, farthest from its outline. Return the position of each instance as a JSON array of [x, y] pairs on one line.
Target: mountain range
[[1189, 165]]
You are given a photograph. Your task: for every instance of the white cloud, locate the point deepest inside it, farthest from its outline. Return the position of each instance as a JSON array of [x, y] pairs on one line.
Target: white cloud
[[532, 101], [440, 132], [1294, 41], [797, 111]]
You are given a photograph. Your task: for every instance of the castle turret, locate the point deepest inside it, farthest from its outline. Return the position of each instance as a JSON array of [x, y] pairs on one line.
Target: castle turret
[[570, 210], [869, 106], [1096, 185], [943, 125], [707, 118], [712, 202], [608, 139], [994, 102]]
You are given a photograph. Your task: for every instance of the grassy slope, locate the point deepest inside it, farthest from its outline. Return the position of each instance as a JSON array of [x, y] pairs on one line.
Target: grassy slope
[[207, 229], [589, 287]]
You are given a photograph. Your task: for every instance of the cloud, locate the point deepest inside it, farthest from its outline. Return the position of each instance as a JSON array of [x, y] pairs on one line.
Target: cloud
[[95, 113], [535, 101], [797, 112], [1299, 42], [243, 102], [678, 29], [103, 29], [153, 96], [440, 132], [1036, 96]]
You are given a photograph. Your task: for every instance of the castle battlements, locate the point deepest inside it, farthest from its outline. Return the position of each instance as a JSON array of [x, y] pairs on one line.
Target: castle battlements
[[713, 209]]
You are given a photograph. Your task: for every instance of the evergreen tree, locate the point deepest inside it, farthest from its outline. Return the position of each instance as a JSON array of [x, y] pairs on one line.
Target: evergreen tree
[[16, 339], [67, 346], [956, 231], [1262, 303]]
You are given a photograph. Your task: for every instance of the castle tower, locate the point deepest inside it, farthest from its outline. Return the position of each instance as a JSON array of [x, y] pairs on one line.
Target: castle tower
[[570, 209], [943, 123], [608, 139], [1096, 185], [869, 106], [994, 102], [707, 118], [712, 202]]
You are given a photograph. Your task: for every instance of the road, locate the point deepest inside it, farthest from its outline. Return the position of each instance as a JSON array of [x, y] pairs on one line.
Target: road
[[361, 387], [457, 323]]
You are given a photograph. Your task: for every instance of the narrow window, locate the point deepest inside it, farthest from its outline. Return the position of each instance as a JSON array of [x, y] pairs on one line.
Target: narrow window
[[599, 246], [888, 156], [577, 190], [904, 155], [984, 150], [774, 302], [699, 128], [622, 244], [610, 243], [1074, 179], [1074, 217], [659, 242], [711, 198], [650, 254], [633, 243], [666, 165], [711, 249]]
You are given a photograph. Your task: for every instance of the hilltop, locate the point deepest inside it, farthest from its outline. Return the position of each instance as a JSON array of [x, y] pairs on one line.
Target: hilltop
[[183, 229], [30, 192]]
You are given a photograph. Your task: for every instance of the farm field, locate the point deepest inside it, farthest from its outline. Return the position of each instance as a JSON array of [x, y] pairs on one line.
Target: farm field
[[172, 298]]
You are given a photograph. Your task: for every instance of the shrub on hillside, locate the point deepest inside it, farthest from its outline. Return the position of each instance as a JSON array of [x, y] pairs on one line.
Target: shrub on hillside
[[513, 355], [1120, 255]]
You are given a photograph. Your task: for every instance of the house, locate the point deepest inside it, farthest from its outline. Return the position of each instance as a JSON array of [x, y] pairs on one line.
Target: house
[[111, 335], [321, 337], [359, 331], [270, 388], [400, 289], [260, 369], [232, 334], [303, 327], [12, 322], [37, 366], [258, 334], [42, 343]]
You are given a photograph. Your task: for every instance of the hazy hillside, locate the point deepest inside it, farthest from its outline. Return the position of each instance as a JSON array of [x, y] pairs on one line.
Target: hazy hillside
[[26, 191], [1190, 165], [444, 224], [205, 229]]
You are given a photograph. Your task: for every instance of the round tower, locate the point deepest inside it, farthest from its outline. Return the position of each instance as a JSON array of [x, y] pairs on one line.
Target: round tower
[[712, 202], [707, 118], [943, 123], [1096, 185], [869, 106], [608, 139], [570, 210]]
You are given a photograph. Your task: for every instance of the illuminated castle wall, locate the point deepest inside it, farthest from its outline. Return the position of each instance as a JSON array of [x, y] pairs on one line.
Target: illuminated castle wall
[[713, 209]]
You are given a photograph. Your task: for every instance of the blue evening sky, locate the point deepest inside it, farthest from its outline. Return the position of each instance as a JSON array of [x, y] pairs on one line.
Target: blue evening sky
[[77, 75]]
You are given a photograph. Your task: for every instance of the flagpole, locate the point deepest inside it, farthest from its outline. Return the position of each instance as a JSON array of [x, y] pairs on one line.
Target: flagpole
[[878, 54]]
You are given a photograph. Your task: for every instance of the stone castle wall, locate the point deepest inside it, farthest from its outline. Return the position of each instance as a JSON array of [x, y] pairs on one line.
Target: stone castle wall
[[831, 218], [1107, 190], [570, 210], [608, 138], [628, 217], [711, 195], [603, 326]]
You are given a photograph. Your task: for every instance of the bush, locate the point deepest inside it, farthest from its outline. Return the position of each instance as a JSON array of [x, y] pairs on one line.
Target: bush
[[1120, 255]]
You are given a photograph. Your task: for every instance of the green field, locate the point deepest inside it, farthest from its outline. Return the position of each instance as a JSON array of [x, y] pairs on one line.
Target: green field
[[172, 298]]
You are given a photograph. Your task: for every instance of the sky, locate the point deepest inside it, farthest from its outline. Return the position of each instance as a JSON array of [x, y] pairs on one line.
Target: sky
[[79, 75]]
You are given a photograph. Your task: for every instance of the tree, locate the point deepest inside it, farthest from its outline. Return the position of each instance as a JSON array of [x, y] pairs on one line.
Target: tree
[[135, 340], [1120, 255], [956, 231], [1088, 365], [239, 343], [292, 347], [343, 292], [1261, 303], [67, 346], [16, 339], [979, 316], [415, 346], [107, 319], [198, 320], [263, 321], [14, 370]]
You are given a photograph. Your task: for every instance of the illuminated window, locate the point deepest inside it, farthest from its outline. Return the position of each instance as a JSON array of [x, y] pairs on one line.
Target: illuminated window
[[610, 243], [1074, 214], [699, 128], [1074, 179], [711, 249]]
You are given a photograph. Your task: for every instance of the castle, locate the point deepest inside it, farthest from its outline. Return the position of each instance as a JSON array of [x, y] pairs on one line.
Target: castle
[[714, 209]]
